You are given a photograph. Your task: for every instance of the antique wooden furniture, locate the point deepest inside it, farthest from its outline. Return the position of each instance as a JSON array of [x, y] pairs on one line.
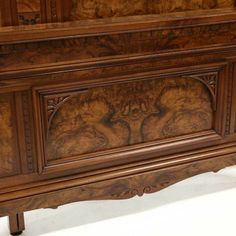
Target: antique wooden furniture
[[112, 99]]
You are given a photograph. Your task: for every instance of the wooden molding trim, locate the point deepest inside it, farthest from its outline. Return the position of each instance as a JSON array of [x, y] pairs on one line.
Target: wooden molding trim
[[129, 24], [117, 188]]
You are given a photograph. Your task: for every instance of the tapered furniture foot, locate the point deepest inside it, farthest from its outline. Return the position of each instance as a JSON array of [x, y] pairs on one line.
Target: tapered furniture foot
[[16, 224]]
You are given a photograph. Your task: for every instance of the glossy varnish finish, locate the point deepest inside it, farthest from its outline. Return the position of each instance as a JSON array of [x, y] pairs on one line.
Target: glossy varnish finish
[[129, 113], [82, 9], [8, 152], [116, 107], [28, 11]]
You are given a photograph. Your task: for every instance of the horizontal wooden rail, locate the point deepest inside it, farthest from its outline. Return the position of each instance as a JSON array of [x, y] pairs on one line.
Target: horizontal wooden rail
[[42, 32]]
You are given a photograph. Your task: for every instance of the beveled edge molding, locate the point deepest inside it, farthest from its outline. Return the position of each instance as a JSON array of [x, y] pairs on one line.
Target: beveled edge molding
[[104, 62], [123, 187]]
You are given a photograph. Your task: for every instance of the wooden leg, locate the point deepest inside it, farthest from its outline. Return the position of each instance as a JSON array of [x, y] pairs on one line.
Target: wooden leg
[[16, 223]]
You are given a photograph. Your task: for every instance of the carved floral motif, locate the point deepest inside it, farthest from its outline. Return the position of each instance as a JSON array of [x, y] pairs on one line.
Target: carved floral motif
[[53, 104], [139, 191], [211, 81]]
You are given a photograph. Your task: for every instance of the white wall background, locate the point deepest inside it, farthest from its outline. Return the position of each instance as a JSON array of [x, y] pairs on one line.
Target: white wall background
[[199, 206]]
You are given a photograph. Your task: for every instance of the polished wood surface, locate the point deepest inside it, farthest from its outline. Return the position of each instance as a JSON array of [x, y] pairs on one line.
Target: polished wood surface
[[7, 140], [16, 223], [83, 9], [109, 101], [121, 115]]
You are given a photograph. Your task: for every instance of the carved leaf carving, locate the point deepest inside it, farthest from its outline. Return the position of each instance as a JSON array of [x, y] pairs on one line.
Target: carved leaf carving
[[53, 104], [211, 81]]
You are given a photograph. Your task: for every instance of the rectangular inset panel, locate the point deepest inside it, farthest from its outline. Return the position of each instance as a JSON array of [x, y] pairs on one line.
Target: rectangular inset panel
[[84, 9], [84, 124], [121, 115], [28, 12], [8, 153]]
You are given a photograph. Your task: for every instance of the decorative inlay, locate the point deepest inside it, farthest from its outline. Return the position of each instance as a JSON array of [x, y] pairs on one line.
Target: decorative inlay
[[120, 115], [27, 130]]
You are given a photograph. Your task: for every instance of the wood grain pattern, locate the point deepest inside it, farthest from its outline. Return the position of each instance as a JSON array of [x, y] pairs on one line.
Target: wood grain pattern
[[28, 54], [16, 223], [29, 12], [8, 13], [8, 157], [117, 188], [33, 12], [28, 5], [126, 114], [115, 107], [84, 9]]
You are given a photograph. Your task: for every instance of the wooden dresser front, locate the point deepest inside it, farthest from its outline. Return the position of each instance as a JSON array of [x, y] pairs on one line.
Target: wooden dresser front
[[112, 99]]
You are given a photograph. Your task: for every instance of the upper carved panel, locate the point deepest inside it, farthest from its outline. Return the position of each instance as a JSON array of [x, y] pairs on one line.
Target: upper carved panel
[[84, 9], [120, 115], [8, 158], [28, 11]]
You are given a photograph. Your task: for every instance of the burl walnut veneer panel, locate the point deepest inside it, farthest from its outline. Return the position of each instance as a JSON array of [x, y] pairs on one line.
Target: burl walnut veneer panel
[[8, 154], [84, 9], [120, 115], [17, 56]]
